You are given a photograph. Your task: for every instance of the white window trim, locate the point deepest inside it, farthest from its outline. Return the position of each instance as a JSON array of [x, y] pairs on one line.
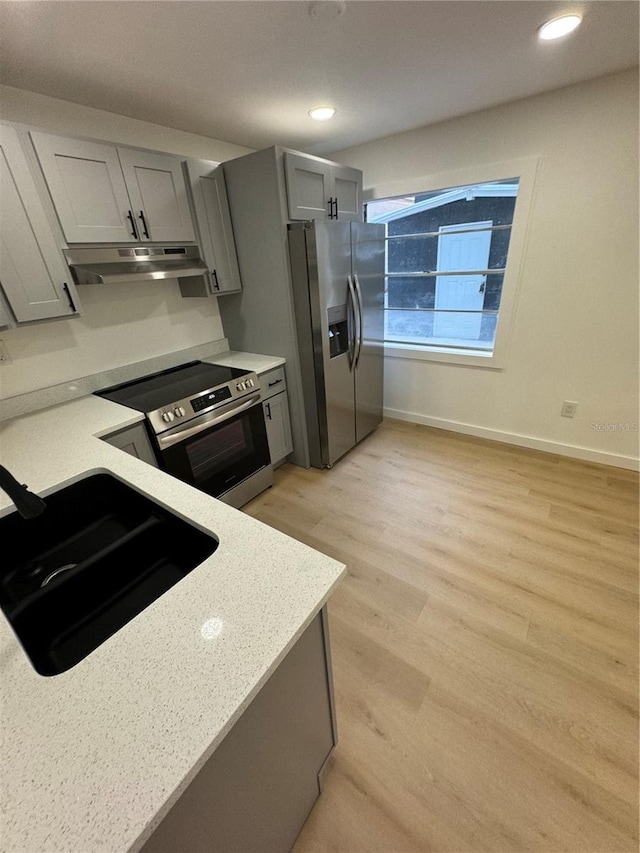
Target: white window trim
[[525, 169]]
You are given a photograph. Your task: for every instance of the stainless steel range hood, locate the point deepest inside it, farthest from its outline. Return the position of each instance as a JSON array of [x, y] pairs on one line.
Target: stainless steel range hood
[[117, 265]]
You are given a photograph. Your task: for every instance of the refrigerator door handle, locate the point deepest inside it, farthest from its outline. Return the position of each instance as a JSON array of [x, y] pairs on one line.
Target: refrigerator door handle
[[360, 317], [354, 334]]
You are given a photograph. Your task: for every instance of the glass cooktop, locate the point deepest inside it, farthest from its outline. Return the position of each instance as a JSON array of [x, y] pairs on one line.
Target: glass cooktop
[[157, 390]]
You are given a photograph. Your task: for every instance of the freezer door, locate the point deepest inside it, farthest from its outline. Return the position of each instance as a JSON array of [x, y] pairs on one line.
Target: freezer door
[[329, 257], [320, 254], [368, 275]]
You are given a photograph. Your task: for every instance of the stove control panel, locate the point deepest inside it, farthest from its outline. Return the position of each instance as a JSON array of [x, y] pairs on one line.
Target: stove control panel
[[161, 419], [205, 401]]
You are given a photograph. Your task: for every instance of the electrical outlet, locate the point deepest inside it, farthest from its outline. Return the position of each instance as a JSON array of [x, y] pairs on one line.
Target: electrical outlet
[[569, 409], [5, 358]]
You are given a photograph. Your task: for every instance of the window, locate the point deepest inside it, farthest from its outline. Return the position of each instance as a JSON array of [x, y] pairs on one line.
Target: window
[[449, 252]]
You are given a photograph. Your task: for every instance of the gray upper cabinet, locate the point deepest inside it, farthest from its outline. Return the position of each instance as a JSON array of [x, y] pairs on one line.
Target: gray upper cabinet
[[105, 194], [308, 187], [33, 273], [213, 219], [347, 192], [87, 187], [158, 195], [320, 189]]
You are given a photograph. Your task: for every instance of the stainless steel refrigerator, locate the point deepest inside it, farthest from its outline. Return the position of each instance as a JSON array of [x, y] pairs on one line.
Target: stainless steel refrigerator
[[338, 288]]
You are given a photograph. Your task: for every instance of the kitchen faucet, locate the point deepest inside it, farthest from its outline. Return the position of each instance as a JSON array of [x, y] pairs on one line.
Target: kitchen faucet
[[27, 504]]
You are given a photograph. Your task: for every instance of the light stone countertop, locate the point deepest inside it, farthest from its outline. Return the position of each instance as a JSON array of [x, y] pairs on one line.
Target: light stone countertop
[[247, 361], [92, 759]]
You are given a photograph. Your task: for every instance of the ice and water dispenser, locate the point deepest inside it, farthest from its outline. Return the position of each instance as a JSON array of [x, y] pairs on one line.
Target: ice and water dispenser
[[338, 330]]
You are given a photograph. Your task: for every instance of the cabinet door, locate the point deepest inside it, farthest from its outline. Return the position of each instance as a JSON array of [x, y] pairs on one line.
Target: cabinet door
[[134, 441], [158, 194], [32, 268], [276, 414], [308, 187], [347, 190], [87, 187], [213, 218], [256, 791]]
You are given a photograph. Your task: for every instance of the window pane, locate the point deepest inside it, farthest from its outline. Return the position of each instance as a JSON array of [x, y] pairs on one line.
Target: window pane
[[441, 328], [462, 292], [447, 251]]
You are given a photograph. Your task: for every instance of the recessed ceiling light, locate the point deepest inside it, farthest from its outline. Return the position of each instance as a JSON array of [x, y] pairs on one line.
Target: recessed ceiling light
[[326, 10], [322, 113], [559, 27]]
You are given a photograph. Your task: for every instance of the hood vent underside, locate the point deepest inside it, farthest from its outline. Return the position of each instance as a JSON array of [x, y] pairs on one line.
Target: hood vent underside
[[118, 265]]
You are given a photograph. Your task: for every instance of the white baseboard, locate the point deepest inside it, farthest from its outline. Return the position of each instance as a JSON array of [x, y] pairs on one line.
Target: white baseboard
[[570, 450]]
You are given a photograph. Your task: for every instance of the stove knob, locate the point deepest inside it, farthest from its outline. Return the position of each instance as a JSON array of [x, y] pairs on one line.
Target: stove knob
[[241, 386], [179, 412], [167, 417], [249, 383]]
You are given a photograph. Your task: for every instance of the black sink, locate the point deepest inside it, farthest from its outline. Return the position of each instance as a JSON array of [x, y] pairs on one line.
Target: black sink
[[97, 556]]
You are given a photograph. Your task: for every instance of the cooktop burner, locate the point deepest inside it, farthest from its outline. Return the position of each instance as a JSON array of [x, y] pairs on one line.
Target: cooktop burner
[[159, 390]]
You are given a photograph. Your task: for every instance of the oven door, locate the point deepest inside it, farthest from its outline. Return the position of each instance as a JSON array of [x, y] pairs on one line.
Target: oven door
[[216, 451]]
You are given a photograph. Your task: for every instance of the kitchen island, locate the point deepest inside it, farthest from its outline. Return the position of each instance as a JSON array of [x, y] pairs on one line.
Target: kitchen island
[[95, 758]]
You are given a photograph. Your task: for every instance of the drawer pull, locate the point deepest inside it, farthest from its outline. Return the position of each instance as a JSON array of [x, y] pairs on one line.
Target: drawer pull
[[275, 382]]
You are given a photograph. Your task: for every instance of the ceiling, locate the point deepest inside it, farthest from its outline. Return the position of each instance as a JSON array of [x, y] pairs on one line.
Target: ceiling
[[248, 71]]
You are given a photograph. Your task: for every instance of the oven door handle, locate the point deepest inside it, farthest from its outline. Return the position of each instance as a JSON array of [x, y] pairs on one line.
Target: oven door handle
[[208, 420]]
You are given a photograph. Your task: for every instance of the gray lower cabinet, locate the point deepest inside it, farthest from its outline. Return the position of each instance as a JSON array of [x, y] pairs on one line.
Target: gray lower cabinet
[[254, 794], [34, 276], [273, 389], [134, 441]]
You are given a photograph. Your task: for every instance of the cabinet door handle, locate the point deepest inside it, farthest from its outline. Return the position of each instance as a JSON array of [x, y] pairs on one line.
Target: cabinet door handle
[[335, 207], [216, 283], [275, 382], [134, 232], [268, 407], [145, 230], [65, 287], [330, 204]]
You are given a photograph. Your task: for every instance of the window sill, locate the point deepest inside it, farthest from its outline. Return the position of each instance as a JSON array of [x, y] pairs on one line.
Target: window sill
[[445, 355]]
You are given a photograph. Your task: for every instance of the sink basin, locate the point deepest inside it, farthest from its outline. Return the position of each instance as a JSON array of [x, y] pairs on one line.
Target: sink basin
[[97, 556]]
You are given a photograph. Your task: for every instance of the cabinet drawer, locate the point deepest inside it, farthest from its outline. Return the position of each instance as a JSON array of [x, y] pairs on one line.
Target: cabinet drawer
[[272, 382]]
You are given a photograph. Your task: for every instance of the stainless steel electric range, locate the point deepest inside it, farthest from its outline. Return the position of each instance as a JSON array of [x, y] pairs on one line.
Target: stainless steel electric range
[[206, 426]]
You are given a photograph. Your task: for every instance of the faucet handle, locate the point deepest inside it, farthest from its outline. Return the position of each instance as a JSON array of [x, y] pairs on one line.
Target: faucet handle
[[27, 504]]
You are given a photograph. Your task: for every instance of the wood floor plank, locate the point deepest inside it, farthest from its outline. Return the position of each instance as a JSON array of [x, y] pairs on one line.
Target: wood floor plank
[[499, 774], [485, 646]]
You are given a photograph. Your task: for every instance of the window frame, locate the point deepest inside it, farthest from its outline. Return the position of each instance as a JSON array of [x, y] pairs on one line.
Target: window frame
[[525, 169]]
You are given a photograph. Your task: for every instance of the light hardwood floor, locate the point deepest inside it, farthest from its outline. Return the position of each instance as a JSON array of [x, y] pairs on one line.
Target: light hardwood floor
[[485, 645]]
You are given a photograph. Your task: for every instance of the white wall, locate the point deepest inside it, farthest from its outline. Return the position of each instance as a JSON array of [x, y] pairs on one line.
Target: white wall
[[120, 323], [575, 333]]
